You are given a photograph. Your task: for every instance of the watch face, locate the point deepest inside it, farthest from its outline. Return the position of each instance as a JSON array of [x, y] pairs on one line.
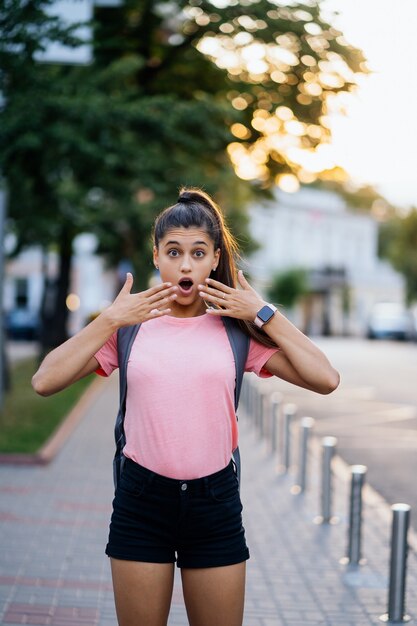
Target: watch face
[[265, 313]]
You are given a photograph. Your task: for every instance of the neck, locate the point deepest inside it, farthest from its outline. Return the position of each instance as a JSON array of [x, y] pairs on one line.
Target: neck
[[192, 310]]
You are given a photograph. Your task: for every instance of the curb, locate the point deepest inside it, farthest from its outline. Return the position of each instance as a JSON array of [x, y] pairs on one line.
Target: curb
[[63, 431]]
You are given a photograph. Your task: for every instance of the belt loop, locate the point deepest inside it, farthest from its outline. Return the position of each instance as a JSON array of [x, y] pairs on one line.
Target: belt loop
[[206, 484]]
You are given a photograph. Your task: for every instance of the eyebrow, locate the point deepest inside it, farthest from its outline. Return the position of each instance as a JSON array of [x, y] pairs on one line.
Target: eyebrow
[[177, 243]]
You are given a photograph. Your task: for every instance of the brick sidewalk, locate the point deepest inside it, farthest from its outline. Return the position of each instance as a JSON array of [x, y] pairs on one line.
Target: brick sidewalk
[[54, 522]]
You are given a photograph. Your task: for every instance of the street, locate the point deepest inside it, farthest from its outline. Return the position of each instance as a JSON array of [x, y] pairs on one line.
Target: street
[[373, 413]]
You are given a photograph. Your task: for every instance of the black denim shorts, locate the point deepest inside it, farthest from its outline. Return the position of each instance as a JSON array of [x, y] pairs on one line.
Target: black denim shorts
[[196, 523]]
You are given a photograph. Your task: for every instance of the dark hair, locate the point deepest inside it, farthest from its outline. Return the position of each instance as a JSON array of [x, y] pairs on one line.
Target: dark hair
[[195, 208]]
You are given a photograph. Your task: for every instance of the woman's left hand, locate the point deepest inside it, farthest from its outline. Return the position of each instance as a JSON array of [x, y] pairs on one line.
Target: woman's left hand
[[239, 303]]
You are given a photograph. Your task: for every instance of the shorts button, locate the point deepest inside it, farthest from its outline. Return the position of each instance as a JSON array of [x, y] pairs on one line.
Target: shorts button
[[183, 486]]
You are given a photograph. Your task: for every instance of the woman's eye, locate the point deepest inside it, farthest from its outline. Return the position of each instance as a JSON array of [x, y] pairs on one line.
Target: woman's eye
[[175, 253]]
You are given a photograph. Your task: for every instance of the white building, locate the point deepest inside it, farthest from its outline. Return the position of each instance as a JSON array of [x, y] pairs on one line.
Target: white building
[[92, 286], [315, 230]]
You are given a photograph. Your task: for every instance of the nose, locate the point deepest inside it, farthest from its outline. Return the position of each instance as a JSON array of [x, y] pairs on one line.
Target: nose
[[185, 263]]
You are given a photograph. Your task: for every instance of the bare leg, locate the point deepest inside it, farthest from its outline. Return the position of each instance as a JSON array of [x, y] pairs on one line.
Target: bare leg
[[142, 592], [214, 596]]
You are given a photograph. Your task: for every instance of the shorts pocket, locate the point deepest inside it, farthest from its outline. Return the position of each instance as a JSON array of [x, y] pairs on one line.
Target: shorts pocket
[[225, 491]]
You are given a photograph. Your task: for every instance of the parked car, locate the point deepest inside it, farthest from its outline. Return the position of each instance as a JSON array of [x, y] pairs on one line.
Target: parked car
[[22, 323], [391, 320]]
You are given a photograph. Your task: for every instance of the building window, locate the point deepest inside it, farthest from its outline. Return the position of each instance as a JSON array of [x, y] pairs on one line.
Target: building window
[[21, 293]]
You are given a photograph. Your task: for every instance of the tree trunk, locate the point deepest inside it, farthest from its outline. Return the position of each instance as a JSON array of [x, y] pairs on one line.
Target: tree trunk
[[54, 314]]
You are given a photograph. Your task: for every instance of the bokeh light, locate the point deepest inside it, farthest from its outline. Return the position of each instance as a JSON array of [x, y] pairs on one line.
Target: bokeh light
[[288, 183], [73, 302]]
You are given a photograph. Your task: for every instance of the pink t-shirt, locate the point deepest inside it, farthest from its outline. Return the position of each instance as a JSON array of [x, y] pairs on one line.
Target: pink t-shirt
[[180, 418]]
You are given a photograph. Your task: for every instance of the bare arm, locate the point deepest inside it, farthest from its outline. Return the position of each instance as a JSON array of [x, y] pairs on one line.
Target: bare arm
[[75, 359], [300, 361]]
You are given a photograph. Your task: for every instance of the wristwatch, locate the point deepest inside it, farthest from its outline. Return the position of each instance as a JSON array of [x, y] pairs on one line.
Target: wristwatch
[[264, 315]]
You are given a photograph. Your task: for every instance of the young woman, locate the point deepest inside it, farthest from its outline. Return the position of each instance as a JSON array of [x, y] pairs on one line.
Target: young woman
[[178, 498]]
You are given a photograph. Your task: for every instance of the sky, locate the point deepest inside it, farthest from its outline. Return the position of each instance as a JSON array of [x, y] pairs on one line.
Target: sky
[[376, 142]]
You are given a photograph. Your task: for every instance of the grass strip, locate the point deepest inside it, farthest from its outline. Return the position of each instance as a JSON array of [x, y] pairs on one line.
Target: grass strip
[[27, 420]]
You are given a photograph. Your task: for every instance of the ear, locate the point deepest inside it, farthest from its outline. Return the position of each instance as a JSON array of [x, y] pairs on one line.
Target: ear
[[155, 256], [216, 258]]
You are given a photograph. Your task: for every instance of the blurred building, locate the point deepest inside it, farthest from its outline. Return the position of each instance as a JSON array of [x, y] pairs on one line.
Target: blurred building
[[315, 230], [92, 285]]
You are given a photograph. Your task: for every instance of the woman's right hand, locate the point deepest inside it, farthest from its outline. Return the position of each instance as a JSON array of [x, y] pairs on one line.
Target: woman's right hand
[[75, 358], [134, 308]]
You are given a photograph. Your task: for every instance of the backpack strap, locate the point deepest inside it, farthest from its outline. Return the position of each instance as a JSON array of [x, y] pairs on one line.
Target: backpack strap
[[125, 338], [239, 342]]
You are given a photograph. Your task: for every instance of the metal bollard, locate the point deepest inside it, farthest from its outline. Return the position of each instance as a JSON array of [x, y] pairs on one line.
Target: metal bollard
[[353, 556], [398, 565], [329, 447], [306, 425], [289, 411], [276, 401]]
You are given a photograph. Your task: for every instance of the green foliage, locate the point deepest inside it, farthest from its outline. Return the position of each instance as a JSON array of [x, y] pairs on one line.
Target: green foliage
[[20, 46], [398, 244], [27, 420], [288, 287]]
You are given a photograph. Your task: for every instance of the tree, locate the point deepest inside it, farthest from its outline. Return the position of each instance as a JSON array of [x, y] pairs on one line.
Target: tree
[[289, 286], [275, 69], [398, 244], [178, 93], [70, 149]]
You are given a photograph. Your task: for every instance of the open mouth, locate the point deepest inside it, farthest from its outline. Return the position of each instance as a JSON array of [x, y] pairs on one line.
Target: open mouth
[[185, 285]]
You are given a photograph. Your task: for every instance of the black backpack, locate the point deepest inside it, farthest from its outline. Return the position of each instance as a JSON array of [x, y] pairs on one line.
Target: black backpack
[[239, 342]]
